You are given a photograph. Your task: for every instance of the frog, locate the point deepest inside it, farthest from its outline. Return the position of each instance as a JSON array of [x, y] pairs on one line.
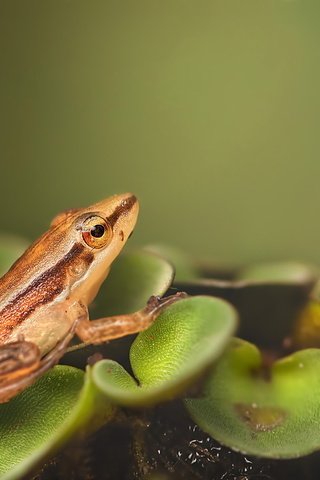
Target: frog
[[45, 295]]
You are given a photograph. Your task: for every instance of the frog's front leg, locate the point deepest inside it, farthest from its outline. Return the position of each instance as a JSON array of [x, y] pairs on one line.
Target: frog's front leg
[[21, 363], [108, 328]]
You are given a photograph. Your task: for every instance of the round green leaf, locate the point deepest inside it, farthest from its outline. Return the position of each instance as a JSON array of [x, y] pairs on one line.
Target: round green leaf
[[270, 413], [134, 277], [185, 268], [44, 416], [11, 248], [278, 272], [186, 337]]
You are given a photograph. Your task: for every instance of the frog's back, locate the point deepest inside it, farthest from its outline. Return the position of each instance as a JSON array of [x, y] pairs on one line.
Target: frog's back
[[35, 279]]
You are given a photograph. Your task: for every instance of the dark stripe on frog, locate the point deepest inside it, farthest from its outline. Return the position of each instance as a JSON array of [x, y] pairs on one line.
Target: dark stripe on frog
[[40, 291], [125, 207]]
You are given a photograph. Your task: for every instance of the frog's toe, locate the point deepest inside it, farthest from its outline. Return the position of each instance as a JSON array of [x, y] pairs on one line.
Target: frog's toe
[[156, 304]]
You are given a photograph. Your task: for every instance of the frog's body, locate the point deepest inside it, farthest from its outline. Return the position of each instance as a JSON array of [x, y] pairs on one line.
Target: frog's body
[[60, 270], [45, 294]]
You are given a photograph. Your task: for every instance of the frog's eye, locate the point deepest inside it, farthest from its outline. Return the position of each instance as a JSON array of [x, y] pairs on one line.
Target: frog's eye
[[96, 232]]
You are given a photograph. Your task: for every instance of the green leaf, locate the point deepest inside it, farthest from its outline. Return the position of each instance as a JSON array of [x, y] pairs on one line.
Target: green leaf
[[278, 272], [270, 413], [44, 416], [134, 277], [185, 268], [185, 339], [11, 248]]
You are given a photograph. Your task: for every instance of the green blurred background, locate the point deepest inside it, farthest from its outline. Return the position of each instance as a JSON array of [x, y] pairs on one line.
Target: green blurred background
[[208, 110]]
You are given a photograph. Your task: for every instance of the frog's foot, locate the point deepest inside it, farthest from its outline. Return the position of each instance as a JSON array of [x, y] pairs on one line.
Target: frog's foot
[[21, 364], [156, 304], [108, 328]]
